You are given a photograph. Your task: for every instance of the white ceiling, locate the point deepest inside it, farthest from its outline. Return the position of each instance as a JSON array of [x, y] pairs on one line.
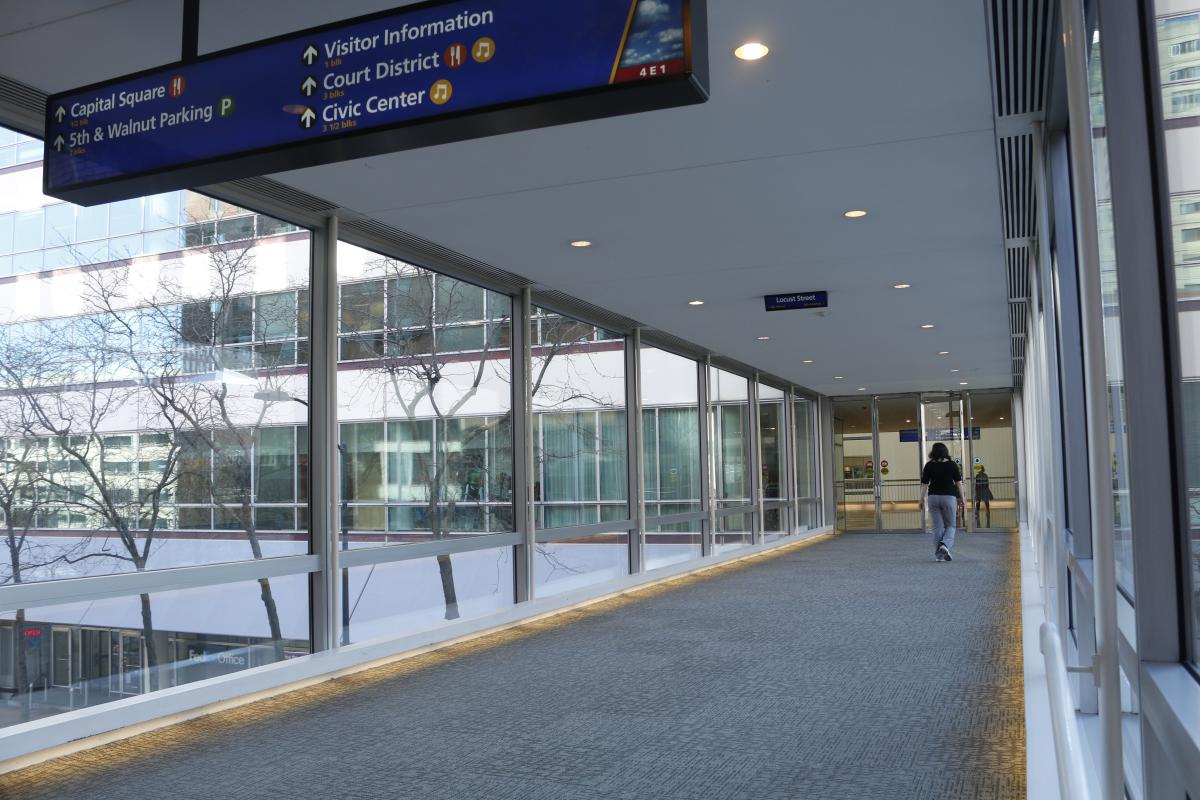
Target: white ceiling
[[861, 104]]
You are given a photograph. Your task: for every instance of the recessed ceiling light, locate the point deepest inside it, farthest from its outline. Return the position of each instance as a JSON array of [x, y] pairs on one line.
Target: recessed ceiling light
[[581, 243], [862, 388], [962, 383], [752, 51], [1002, 419], [955, 370], [857, 213], [839, 377], [807, 361], [908, 420], [902, 286], [927, 326], [943, 352], [764, 338], [695, 302]]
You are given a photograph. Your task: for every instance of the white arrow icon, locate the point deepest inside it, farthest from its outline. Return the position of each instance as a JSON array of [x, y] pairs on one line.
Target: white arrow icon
[[58, 143], [308, 118], [310, 55], [58, 115], [309, 86]]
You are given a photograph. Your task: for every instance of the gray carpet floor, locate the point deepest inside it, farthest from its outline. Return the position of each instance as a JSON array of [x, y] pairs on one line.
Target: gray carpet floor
[[851, 668]]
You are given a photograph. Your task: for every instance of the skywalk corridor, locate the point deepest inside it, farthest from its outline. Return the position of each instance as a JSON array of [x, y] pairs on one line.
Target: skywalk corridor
[[854, 667]]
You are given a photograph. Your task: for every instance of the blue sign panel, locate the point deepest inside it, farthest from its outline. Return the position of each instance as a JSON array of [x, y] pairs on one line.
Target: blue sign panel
[[787, 302], [935, 434], [424, 74]]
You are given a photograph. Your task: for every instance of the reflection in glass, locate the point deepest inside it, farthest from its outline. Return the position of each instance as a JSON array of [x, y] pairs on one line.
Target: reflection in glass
[[729, 421], [1179, 60], [578, 399], [424, 410], [1113, 365], [670, 455], [569, 564], [96, 651]]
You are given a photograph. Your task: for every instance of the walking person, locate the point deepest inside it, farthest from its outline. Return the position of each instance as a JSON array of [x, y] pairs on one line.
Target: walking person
[[983, 494], [941, 487]]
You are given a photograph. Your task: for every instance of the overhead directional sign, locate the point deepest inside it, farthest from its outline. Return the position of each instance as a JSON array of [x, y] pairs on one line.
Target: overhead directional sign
[[794, 300], [424, 74]]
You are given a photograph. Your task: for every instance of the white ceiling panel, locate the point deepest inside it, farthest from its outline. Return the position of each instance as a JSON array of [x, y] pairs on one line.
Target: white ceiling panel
[[861, 104]]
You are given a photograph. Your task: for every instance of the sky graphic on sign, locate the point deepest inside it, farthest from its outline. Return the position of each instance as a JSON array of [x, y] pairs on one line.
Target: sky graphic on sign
[[407, 66]]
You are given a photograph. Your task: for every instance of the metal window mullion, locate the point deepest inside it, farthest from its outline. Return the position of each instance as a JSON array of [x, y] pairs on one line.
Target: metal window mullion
[[523, 450], [755, 450], [634, 436], [704, 415], [323, 466], [788, 424]]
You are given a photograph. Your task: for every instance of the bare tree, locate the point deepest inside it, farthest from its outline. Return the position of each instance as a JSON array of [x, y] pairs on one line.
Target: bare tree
[[195, 362], [66, 389]]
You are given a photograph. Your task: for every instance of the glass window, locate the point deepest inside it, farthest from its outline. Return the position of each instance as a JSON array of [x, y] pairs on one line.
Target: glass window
[[121, 650], [125, 217], [435, 409], [60, 224], [1184, 183], [1112, 324], [580, 441], [772, 443], [91, 223], [729, 420], [671, 465], [6, 232], [27, 230], [162, 211], [117, 484]]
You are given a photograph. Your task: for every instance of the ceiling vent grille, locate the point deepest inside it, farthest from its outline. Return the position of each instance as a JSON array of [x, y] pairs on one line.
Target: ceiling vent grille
[[1020, 35], [22, 107], [1018, 273], [1019, 42], [1016, 174]]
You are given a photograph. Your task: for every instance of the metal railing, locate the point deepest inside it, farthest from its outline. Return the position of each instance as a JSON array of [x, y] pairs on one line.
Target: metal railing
[[1068, 749]]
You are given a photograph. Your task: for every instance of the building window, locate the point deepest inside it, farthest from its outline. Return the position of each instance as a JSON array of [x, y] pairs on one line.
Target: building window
[[1190, 234], [1181, 48], [1185, 74]]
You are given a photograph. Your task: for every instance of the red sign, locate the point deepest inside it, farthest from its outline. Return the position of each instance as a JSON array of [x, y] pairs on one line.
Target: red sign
[[176, 86], [33, 631]]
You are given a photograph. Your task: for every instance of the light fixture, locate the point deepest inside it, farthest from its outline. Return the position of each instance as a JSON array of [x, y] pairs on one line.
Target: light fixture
[[857, 213], [962, 383], [862, 388], [902, 286], [908, 420], [1002, 419], [943, 352], [807, 361], [581, 243], [764, 338], [839, 377], [752, 51], [955, 370], [928, 326], [695, 302]]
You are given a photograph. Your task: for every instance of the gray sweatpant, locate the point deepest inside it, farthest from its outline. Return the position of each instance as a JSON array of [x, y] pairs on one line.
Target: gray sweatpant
[[943, 513]]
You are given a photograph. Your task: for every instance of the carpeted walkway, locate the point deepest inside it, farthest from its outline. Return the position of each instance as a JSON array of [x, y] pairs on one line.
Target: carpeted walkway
[[851, 668]]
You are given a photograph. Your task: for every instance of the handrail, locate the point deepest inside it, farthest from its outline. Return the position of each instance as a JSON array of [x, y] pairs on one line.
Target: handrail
[[1068, 751]]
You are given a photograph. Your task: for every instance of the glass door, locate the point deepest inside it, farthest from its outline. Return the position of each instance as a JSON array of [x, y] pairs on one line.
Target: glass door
[[991, 482], [854, 482], [942, 421], [898, 476]]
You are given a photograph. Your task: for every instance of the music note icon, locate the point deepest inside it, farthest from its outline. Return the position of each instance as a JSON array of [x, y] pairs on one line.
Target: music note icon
[[441, 92], [484, 50]]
